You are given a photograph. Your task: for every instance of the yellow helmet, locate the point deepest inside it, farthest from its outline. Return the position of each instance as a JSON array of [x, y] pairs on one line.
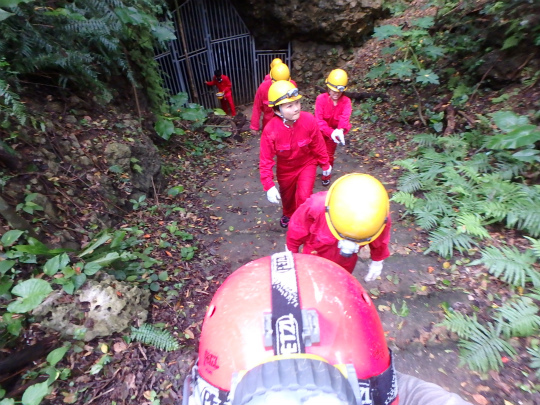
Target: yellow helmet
[[275, 61], [357, 208], [280, 72], [337, 80], [282, 92]]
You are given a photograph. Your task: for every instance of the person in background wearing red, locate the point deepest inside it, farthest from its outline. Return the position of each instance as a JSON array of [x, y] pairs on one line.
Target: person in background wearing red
[[333, 111], [335, 224], [260, 105], [224, 85], [293, 138]]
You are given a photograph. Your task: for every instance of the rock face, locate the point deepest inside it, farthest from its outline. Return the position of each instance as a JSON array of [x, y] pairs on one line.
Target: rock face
[[97, 309], [274, 23]]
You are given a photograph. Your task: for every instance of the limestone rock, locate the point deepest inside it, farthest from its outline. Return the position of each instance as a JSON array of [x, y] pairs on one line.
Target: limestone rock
[[100, 307]]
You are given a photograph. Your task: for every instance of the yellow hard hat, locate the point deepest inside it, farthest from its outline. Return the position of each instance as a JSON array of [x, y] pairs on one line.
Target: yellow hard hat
[[357, 208], [337, 80], [275, 61], [280, 72], [282, 92]]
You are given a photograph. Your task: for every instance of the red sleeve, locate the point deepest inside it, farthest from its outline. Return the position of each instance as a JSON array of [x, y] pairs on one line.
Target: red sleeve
[[227, 86], [257, 109], [213, 82], [345, 116], [319, 116], [318, 147], [379, 247], [266, 159], [299, 226]]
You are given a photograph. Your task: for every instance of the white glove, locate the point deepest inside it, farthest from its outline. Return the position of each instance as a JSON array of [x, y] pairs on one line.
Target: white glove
[[327, 172], [338, 137], [273, 195], [347, 247], [374, 271]]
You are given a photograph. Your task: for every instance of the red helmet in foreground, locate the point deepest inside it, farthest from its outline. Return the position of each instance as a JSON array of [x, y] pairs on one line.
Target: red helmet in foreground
[[292, 329]]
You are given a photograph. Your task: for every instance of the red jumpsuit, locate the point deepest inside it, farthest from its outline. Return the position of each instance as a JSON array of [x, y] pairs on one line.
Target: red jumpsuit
[[299, 149], [225, 86], [330, 117], [308, 226], [260, 105]]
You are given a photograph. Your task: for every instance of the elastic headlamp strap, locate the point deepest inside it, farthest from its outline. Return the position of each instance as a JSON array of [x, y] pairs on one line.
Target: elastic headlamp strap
[[287, 323]]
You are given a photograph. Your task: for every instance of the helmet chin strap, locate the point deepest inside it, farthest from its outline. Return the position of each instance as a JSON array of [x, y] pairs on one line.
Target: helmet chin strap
[[285, 120]]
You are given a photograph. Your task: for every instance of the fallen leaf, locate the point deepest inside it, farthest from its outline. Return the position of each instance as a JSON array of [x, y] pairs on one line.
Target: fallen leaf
[[446, 265], [168, 253], [430, 269], [480, 399], [120, 346]]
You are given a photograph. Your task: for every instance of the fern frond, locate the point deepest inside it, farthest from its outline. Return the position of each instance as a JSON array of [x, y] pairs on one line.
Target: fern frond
[[437, 201], [406, 199], [526, 217], [519, 318], [425, 218], [425, 140], [408, 164], [535, 359], [444, 240], [535, 246], [159, 338], [410, 182], [509, 265], [471, 224], [460, 324], [483, 347]]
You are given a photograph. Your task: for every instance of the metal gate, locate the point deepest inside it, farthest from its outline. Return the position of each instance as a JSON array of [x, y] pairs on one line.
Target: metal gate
[[210, 35]]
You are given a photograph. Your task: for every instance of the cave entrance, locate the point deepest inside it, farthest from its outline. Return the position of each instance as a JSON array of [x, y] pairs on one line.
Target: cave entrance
[[210, 35]]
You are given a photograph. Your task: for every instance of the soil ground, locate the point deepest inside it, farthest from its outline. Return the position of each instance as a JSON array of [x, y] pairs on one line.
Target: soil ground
[[250, 229]]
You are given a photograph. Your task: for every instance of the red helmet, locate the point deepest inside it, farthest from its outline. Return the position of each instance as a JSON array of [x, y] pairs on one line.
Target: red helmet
[[272, 332]]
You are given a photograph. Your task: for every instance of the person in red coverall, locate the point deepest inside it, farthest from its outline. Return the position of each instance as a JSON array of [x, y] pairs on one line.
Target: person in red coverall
[[260, 105], [224, 85], [335, 224], [294, 138], [333, 111]]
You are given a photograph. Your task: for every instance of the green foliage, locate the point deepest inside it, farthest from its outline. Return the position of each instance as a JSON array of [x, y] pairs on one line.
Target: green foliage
[[153, 336], [519, 318], [480, 345], [510, 265], [81, 44], [43, 269], [414, 48], [455, 193]]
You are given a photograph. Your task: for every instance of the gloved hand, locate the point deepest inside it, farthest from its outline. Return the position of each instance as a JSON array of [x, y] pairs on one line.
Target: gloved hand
[[327, 172], [338, 137], [374, 271], [254, 132], [273, 195]]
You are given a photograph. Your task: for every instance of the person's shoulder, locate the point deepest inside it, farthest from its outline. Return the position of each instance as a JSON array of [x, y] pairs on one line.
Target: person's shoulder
[[318, 199], [323, 96], [346, 100], [306, 116]]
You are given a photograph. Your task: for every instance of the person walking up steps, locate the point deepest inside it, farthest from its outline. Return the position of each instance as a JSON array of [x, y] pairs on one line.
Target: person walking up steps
[[294, 140], [333, 112]]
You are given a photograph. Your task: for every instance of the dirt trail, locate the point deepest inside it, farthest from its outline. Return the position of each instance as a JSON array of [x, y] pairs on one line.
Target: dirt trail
[[250, 230]]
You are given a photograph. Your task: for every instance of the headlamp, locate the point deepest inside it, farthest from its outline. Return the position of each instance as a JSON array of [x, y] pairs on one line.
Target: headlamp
[[338, 87], [291, 93]]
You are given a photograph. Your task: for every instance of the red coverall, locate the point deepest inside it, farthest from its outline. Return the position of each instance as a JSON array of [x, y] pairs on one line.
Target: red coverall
[[308, 226], [299, 149], [225, 86], [260, 105], [330, 117]]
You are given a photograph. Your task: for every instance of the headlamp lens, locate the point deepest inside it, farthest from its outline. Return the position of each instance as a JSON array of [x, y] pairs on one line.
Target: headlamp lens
[[289, 94]]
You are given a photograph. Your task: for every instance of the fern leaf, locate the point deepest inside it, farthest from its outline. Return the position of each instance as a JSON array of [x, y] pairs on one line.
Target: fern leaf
[[445, 239], [519, 318], [408, 164], [425, 140], [426, 219], [159, 338], [535, 246], [460, 324], [410, 182], [483, 347], [406, 199], [471, 224], [510, 265], [535, 359]]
